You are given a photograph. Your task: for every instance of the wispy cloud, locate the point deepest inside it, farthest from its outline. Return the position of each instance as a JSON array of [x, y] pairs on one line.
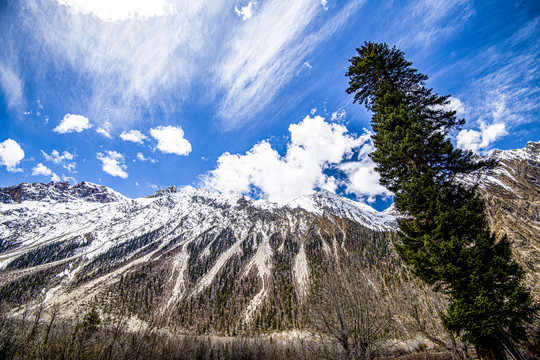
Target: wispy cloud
[[432, 20], [125, 61], [11, 85], [268, 51], [504, 93], [122, 10]]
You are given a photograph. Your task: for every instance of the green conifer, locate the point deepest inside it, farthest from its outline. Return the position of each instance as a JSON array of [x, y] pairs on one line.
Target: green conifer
[[444, 234]]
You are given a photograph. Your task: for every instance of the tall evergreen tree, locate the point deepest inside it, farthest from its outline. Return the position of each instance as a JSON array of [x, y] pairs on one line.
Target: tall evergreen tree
[[445, 237]]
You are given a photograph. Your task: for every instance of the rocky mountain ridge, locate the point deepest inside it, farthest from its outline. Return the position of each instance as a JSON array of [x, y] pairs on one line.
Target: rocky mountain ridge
[[217, 262], [61, 245], [60, 191], [512, 195]]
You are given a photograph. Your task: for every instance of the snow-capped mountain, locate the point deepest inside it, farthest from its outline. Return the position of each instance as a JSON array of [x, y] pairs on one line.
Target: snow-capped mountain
[[512, 194], [71, 245], [205, 261]]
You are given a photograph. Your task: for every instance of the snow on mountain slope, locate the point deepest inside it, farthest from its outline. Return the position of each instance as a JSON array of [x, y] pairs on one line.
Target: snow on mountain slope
[[81, 242], [512, 194], [326, 202]]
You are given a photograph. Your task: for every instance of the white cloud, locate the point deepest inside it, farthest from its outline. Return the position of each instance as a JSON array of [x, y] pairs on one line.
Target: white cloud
[[69, 179], [456, 105], [153, 187], [338, 115], [171, 140], [130, 63], [430, 20], [113, 164], [479, 141], [104, 132], [134, 136], [504, 88], [315, 149], [246, 12], [257, 65], [363, 179], [120, 10], [72, 123], [324, 4], [42, 170], [11, 85], [141, 157], [57, 159], [11, 154]]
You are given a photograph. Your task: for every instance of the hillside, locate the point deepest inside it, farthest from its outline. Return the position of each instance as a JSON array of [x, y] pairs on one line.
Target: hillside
[[209, 262], [163, 254]]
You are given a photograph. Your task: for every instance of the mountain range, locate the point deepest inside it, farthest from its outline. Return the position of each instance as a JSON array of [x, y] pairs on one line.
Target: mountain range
[[211, 262]]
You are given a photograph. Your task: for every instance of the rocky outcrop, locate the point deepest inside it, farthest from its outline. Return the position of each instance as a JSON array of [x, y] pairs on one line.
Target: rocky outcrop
[[60, 191], [512, 195]]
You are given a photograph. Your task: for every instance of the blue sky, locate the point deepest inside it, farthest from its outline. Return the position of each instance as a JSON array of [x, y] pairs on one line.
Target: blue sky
[[247, 96]]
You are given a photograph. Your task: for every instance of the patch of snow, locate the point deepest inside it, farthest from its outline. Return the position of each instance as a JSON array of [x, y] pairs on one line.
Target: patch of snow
[[301, 272]]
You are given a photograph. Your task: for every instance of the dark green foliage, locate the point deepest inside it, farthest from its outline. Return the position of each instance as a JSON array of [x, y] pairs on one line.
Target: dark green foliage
[[220, 307], [137, 292], [46, 254], [218, 244], [28, 287], [117, 255], [7, 244], [444, 236]]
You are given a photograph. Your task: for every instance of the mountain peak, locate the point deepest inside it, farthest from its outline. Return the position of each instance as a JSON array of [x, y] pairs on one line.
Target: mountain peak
[[59, 191], [324, 201]]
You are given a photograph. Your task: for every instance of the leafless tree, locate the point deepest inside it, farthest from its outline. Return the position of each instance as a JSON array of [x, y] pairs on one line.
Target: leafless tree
[[349, 308]]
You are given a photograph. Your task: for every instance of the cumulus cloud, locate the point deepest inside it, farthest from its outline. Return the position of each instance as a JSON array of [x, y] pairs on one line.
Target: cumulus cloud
[[72, 123], [456, 105], [246, 12], [316, 149], [479, 141], [42, 170], [11, 85], [11, 154], [134, 136], [63, 159], [113, 164], [362, 178], [56, 158], [171, 140], [141, 157]]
